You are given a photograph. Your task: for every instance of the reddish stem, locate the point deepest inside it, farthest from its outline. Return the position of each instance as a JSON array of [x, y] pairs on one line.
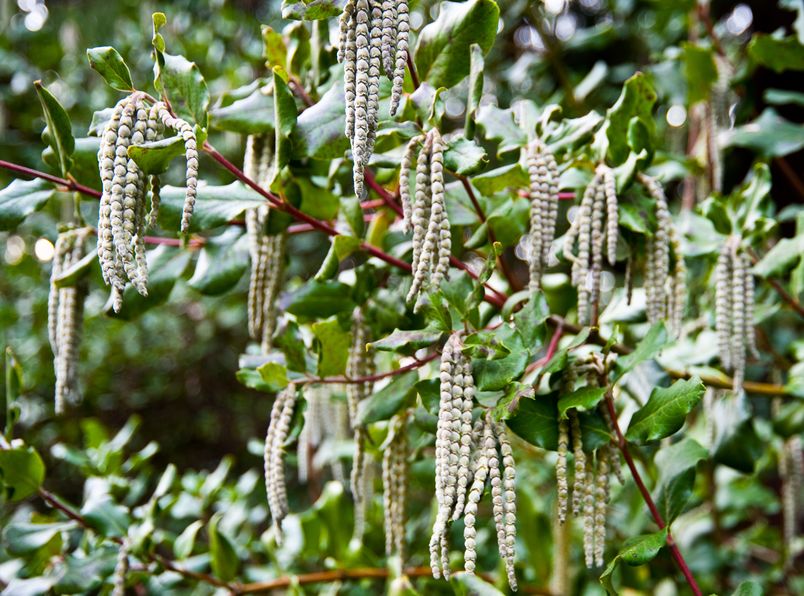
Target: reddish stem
[[552, 347], [372, 378], [414, 76], [622, 444], [68, 184]]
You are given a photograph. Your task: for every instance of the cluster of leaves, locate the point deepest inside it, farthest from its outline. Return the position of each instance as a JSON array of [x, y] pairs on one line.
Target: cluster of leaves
[[214, 523]]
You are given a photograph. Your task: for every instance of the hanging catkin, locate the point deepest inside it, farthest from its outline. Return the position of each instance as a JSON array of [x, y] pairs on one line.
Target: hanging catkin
[[599, 205], [278, 429], [543, 194], [65, 316], [394, 479], [427, 215], [373, 37], [122, 214]]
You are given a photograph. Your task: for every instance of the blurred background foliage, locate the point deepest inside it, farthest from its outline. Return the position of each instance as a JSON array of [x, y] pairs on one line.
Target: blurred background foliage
[[167, 377]]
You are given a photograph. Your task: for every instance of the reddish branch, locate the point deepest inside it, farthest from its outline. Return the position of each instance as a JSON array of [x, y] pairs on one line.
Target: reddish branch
[[375, 377], [66, 184], [622, 444]]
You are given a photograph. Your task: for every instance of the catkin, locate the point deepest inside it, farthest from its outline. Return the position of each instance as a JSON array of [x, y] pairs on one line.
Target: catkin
[[120, 570], [579, 481], [601, 503], [65, 316], [394, 476], [278, 429], [561, 469], [543, 194], [589, 518], [509, 503], [427, 216]]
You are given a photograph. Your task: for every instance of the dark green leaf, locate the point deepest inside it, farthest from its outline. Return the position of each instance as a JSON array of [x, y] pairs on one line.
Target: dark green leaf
[[442, 52], [13, 385], [636, 100], [499, 125], [781, 258], [769, 135], [666, 410], [320, 299], [110, 65], [185, 87], [21, 198], [214, 205], [536, 421], [223, 555], [491, 375], [736, 443], [319, 202], [635, 551], [463, 156], [650, 346], [253, 114], [583, 399], [26, 538], [310, 10], [406, 341], [155, 157], [676, 465], [21, 472], [700, 71], [333, 347], [59, 129], [252, 379], [386, 402], [510, 176], [106, 517], [183, 545], [529, 321], [319, 129], [220, 266], [285, 113], [749, 588], [778, 54]]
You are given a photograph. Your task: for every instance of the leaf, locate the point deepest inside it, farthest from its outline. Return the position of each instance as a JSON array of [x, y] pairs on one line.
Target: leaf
[[183, 545], [635, 551], [778, 54], [469, 584], [383, 404], [285, 113], [319, 202], [309, 10], [635, 101], [536, 421], [781, 258], [253, 114], [221, 265], [319, 129], [185, 87], [653, 342], [59, 129], [499, 125], [666, 410], [106, 517], [154, 157], [700, 71], [463, 156], [274, 49], [223, 556], [476, 66], [406, 341], [251, 378], [13, 384], [749, 588], [510, 176], [735, 443], [27, 538], [676, 464], [20, 199], [109, 64], [21, 472], [76, 272], [274, 375], [333, 347], [320, 299], [442, 52], [214, 206], [770, 135], [583, 399], [340, 248], [529, 321]]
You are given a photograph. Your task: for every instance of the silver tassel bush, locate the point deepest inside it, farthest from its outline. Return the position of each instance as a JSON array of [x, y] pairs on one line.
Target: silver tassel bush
[[665, 287], [543, 195], [734, 309], [599, 204], [65, 316], [123, 216], [267, 251], [373, 38], [426, 215], [278, 429], [395, 481]]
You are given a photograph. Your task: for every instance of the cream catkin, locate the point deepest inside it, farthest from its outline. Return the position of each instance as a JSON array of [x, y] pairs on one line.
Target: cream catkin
[[481, 436], [65, 316], [122, 220], [543, 194], [509, 503], [394, 476], [601, 504], [561, 469], [427, 217], [120, 570], [579, 481], [589, 517], [278, 429]]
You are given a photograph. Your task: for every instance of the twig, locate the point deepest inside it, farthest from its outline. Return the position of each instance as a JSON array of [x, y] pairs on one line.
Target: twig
[[67, 184], [783, 294], [622, 444], [370, 378], [552, 347], [414, 76]]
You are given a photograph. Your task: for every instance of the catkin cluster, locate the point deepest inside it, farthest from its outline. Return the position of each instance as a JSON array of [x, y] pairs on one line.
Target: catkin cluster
[[543, 173], [325, 425], [665, 290], [65, 315], [791, 472], [120, 570], [267, 252], [394, 485], [599, 204], [123, 218], [734, 309], [426, 214], [278, 429], [373, 38], [360, 364]]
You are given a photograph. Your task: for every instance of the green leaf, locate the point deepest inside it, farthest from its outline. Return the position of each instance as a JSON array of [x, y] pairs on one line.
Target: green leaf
[[106, 517], [676, 465], [700, 71], [749, 588], [319, 202], [499, 125], [383, 404], [274, 375], [536, 421], [185, 87], [223, 556], [110, 65], [274, 49], [253, 114], [310, 10], [735, 443], [781, 258], [333, 347], [635, 551], [340, 248], [635, 101], [529, 321], [21, 198], [463, 156], [214, 206], [319, 129], [469, 584], [251, 378], [13, 384], [159, 20], [221, 264], [653, 342], [21, 472], [442, 52], [76, 272], [59, 129], [476, 66], [666, 410], [778, 54], [583, 399], [770, 135], [154, 157], [320, 299], [493, 181], [27, 538], [183, 545], [406, 341], [285, 113]]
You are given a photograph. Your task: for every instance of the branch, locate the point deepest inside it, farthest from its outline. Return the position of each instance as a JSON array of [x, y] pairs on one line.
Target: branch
[[414, 76], [776, 285], [66, 184], [622, 444], [370, 378]]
